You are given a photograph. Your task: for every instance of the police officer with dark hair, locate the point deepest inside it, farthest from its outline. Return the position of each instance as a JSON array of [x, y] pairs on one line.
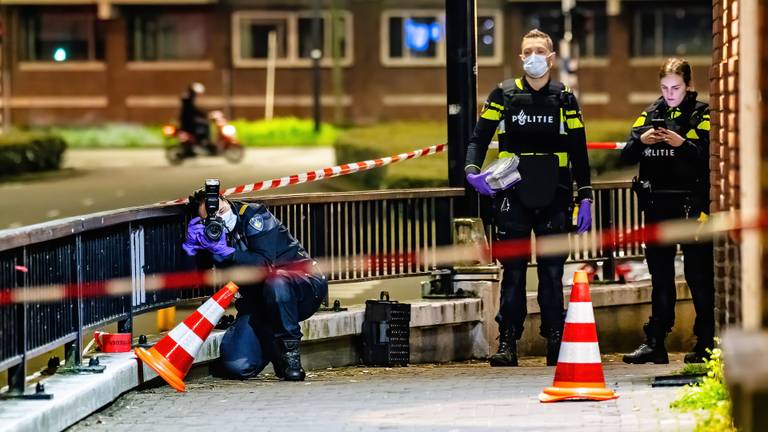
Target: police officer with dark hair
[[670, 141], [268, 314], [540, 122]]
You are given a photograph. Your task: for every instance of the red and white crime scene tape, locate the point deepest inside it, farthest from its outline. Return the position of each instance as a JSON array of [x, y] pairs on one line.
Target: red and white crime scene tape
[[353, 167], [669, 232], [597, 145], [325, 173]]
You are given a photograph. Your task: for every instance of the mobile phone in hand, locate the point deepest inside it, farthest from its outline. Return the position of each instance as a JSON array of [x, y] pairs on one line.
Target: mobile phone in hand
[[658, 123]]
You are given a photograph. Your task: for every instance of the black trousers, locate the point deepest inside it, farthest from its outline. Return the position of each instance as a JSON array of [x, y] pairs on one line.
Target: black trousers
[[698, 260], [515, 222]]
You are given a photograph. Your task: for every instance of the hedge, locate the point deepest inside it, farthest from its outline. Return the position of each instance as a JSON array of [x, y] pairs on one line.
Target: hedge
[[364, 143], [22, 152]]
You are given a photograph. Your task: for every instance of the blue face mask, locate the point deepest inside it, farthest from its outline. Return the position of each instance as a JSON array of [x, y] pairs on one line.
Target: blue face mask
[[230, 220], [536, 65]]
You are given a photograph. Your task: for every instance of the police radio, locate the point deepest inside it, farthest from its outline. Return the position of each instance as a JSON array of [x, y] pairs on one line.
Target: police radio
[[214, 225]]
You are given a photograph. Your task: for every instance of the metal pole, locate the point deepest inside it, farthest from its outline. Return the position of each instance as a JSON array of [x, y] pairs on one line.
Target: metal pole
[[269, 103], [316, 54], [461, 79], [5, 74]]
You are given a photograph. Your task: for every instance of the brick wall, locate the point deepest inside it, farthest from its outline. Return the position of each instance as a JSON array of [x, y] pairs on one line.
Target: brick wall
[[724, 152]]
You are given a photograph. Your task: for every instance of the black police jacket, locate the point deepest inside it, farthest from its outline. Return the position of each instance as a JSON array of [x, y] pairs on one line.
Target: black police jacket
[[260, 239], [544, 121], [191, 118], [668, 168]]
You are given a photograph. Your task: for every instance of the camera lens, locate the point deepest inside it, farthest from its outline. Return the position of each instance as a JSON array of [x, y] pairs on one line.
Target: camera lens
[[214, 229]]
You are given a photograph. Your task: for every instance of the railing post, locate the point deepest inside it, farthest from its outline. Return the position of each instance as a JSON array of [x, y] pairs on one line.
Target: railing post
[[607, 223], [17, 375], [317, 232], [73, 350]]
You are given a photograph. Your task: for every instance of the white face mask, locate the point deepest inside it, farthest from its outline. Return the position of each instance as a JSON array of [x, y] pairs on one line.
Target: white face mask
[[230, 219], [536, 65]]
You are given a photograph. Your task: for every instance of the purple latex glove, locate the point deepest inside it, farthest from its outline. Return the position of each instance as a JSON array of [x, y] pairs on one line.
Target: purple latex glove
[[584, 218], [195, 230], [216, 247], [480, 184]]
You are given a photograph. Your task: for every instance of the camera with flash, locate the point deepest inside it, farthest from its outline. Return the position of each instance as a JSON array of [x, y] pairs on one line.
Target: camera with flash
[[214, 225]]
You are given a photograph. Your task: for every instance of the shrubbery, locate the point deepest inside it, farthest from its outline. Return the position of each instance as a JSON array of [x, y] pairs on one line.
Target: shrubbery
[[279, 132], [22, 152], [709, 399], [387, 139]]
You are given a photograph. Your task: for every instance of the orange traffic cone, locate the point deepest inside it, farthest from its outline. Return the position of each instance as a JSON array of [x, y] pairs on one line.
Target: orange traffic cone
[[579, 373], [172, 357]]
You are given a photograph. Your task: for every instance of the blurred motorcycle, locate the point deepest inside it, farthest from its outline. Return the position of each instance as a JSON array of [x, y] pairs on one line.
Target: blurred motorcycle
[[180, 145]]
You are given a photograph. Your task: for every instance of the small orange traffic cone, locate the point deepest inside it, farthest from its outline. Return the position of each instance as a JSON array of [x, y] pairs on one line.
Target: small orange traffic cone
[[579, 372], [172, 357]]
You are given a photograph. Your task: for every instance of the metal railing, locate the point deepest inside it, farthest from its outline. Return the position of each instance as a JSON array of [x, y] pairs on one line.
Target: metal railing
[[363, 235], [615, 208], [343, 228]]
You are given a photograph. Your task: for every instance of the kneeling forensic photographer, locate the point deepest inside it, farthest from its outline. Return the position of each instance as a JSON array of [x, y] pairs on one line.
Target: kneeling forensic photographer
[[267, 327]]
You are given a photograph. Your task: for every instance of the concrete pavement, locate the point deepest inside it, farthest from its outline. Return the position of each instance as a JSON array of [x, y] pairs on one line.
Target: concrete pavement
[[454, 397]]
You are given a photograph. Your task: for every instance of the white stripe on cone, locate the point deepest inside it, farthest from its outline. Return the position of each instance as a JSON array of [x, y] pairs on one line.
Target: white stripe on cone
[[186, 338], [212, 311], [580, 313], [579, 352]]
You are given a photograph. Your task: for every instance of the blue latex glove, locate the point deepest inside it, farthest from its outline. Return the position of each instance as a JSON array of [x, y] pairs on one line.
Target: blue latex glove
[[217, 247], [480, 184], [584, 218], [195, 230]]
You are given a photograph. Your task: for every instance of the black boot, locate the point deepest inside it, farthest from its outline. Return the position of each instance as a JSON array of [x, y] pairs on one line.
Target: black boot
[[700, 352], [652, 351], [290, 361], [507, 354], [553, 347]]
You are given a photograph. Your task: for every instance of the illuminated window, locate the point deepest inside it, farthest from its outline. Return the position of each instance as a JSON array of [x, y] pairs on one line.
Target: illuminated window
[[61, 34]]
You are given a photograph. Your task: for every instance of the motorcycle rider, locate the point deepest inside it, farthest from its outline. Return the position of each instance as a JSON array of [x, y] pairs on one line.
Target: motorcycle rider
[[192, 119]]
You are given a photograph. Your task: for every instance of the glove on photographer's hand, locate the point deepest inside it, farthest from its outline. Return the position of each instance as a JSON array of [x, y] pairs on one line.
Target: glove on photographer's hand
[[584, 218], [195, 230], [216, 247], [480, 184]]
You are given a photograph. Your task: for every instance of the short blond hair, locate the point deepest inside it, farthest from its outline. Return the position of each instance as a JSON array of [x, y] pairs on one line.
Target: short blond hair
[[538, 34]]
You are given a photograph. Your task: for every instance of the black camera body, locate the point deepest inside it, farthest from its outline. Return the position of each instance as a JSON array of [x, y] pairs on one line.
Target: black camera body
[[214, 225]]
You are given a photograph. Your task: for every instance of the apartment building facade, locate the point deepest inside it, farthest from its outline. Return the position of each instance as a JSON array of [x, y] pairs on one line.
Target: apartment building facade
[[91, 61]]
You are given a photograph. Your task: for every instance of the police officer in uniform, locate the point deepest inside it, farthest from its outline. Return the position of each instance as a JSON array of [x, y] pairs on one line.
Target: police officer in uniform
[[670, 141], [540, 122], [268, 314]]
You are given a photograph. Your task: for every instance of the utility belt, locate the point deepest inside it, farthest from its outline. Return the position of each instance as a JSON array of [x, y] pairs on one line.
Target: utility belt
[[648, 197], [562, 157]]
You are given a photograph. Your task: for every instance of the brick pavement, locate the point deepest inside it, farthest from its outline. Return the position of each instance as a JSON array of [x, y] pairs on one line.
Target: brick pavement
[[455, 397]]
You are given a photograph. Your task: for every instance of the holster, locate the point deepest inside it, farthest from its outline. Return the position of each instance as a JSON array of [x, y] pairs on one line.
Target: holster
[[642, 189]]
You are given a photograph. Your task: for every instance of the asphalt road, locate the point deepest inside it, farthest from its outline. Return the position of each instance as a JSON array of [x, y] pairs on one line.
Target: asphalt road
[[99, 180]]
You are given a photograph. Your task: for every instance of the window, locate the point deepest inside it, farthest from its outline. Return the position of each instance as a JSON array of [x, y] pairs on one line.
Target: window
[[294, 38], [590, 31], [590, 27], [416, 37], [61, 34], [159, 36], [672, 32]]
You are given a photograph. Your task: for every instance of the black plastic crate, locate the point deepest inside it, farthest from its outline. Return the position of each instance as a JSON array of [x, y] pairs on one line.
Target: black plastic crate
[[386, 332]]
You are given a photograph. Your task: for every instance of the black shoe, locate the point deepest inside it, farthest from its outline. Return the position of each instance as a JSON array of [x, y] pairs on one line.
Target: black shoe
[[507, 354], [290, 361], [652, 351], [553, 347], [699, 354]]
